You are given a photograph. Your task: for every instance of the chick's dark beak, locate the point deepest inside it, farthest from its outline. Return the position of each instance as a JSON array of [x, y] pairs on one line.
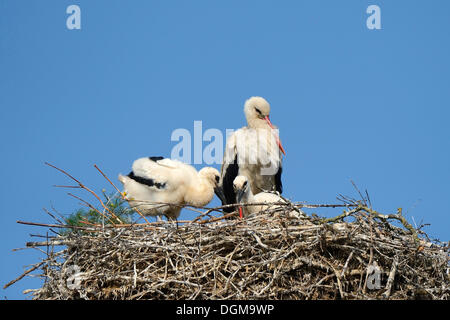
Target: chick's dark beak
[[239, 195], [219, 193]]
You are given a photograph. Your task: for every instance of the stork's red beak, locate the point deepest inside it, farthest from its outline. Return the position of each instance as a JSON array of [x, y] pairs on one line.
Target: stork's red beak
[[278, 139], [240, 213]]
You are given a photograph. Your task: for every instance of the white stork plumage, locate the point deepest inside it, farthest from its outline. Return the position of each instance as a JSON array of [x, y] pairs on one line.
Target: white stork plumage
[[253, 151], [159, 186], [244, 195]]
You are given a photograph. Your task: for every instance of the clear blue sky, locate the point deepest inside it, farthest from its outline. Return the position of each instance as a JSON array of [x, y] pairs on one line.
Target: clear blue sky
[[371, 106]]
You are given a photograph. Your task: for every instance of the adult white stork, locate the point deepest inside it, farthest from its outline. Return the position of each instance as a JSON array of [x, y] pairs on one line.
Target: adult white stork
[[159, 186], [253, 151], [244, 195]]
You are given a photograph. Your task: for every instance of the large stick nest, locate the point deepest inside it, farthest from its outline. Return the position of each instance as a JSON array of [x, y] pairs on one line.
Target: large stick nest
[[360, 254]]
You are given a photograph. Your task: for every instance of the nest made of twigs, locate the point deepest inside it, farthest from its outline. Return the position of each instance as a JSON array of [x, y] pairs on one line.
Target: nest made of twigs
[[360, 254]]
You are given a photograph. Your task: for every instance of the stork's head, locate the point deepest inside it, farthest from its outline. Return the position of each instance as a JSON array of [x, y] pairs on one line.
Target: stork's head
[[240, 186], [211, 175], [257, 111]]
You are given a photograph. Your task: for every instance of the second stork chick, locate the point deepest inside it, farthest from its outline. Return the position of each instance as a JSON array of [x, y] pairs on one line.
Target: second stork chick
[[244, 195]]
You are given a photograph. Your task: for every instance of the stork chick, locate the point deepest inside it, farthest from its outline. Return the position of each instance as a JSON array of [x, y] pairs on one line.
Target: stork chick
[[245, 195], [159, 186]]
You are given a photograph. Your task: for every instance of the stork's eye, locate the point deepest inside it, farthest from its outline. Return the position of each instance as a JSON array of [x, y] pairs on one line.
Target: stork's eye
[[245, 184], [259, 111], [217, 178]]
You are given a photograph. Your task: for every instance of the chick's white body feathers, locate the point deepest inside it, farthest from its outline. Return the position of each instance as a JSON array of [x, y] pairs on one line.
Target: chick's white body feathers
[[158, 186]]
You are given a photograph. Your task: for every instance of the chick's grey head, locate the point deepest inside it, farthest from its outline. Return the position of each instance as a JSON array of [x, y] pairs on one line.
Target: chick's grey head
[[240, 186]]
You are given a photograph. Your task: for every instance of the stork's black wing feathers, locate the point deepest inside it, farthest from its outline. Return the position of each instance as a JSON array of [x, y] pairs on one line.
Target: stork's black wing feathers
[[278, 184], [156, 158], [146, 181], [231, 172]]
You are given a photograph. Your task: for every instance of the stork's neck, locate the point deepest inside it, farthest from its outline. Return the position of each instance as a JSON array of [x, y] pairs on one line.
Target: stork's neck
[[199, 193], [257, 123]]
